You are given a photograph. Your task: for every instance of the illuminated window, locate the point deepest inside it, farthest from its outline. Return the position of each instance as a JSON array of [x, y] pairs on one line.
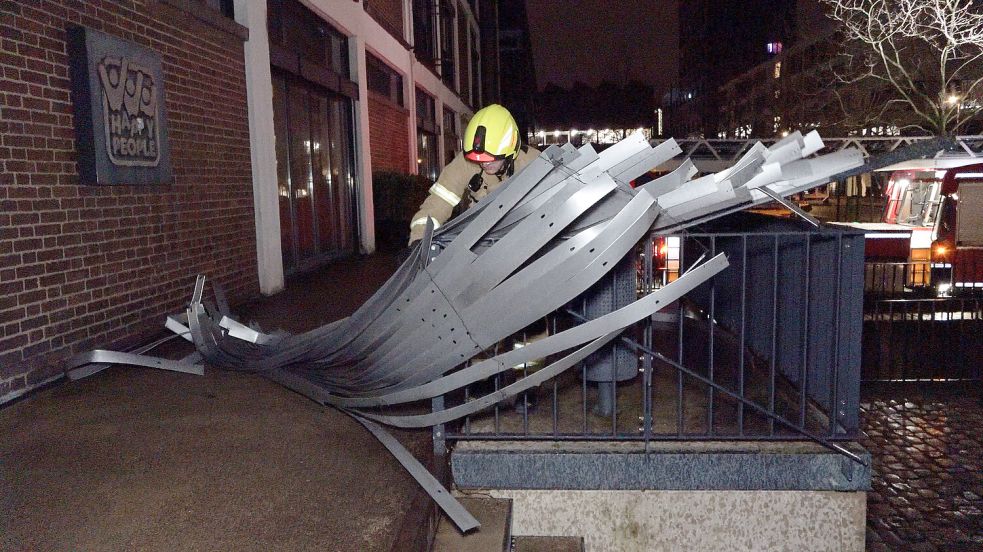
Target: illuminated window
[[778, 69], [774, 47]]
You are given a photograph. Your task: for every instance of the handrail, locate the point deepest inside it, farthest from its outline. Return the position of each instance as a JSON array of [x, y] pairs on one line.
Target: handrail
[[638, 347], [730, 149]]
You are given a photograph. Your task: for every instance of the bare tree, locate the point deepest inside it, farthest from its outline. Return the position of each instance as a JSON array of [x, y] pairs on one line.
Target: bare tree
[[917, 63]]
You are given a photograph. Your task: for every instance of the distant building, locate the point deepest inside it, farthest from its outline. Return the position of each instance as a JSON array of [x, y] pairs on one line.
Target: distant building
[[717, 40], [791, 91], [517, 73], [797, 89]]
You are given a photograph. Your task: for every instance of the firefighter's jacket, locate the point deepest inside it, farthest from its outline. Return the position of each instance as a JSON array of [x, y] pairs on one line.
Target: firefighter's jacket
[[452, 188]]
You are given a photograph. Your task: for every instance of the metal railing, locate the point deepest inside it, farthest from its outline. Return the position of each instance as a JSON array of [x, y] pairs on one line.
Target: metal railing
[[921, 319], [962, 276], [767, 350], [730, 149], [884, 280], [923, 339], [710, 154]]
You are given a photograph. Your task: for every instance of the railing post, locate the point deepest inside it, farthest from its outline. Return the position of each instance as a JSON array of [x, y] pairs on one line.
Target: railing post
[[439, 431], [647, 285]]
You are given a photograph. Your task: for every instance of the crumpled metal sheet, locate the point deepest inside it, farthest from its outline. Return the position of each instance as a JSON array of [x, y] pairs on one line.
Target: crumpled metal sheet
[[533, 245]]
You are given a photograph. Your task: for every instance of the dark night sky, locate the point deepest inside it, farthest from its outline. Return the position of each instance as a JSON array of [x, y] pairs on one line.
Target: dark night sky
[[591, 40]]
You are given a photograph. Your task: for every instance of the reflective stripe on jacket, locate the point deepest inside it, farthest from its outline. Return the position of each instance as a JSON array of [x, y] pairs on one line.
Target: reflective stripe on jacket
[[452, 187]]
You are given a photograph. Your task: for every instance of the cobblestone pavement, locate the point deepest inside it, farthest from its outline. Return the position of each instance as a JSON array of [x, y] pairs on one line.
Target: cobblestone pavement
[[927, 446]]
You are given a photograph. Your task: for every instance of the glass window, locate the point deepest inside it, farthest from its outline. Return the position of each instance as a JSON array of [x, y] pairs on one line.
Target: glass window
[[475, 71], [274, 21], [343, 173], [283, 170], [303, 35], [333, 193], [426, 157], [301, 176], [296, 28], [315, 175], [452, 141], [223, 6], [447, 65], [384, 80], [918, 199], [463, 30], [337, 45], [424, 35], [426, 111], [427, 139]]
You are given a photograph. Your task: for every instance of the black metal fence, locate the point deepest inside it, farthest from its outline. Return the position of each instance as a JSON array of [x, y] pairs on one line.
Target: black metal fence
[[768, 349], [924, 279], [895, 280], [922, 319], [923, 339]]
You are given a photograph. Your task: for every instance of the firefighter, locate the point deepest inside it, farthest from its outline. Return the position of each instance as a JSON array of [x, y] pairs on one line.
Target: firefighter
[[491, 155]]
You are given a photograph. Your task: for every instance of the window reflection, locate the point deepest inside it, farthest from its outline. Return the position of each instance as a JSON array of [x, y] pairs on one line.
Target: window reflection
[[314, 172]]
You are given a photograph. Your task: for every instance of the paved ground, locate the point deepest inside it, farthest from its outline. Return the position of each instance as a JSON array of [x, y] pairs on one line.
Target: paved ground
[[927, 446], [137, 459], [140, 459]]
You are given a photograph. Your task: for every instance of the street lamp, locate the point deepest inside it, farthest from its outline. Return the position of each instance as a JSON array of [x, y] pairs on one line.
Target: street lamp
[[955, 100]]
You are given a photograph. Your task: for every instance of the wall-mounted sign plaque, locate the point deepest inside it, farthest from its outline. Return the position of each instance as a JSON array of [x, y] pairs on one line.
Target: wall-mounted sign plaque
[[120, 121]]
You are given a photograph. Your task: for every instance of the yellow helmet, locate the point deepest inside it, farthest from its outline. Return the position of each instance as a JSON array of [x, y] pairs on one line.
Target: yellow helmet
[[492, 134]]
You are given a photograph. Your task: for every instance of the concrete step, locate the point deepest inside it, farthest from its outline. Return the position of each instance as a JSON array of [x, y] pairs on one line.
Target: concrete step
[[495, 534], [547, 544]]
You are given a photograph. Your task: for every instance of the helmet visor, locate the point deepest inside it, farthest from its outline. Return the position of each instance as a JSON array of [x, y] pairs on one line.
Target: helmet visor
[[481, 156]]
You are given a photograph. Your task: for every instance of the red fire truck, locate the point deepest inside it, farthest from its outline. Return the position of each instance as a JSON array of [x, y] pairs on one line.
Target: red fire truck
[[931, 234]]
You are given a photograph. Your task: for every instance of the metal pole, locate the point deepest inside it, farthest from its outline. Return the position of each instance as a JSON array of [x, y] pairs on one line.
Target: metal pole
[[806, 300], [711, 322]]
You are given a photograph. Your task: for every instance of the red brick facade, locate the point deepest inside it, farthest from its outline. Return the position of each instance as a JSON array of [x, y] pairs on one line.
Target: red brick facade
[[389, 14], [388, 135], [85, 266]]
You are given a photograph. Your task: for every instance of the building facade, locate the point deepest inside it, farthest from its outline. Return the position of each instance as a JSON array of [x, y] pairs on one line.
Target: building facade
[[718, 40], [791, 91], [278, 113], [811, 85]]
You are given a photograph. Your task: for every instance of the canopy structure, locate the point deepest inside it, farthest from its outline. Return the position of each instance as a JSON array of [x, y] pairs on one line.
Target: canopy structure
[[539, 241]]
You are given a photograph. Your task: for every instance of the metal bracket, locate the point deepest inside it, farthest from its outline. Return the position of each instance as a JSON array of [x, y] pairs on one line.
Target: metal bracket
[[792, 207]]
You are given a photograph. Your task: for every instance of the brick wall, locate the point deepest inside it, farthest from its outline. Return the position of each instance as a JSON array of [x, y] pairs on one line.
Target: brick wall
[[84, 266], [389, 14], [388, 135]]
